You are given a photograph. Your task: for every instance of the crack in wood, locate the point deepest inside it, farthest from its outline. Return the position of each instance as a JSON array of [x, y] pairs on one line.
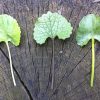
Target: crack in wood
[[76, 8], [70, 72], [22, 82]]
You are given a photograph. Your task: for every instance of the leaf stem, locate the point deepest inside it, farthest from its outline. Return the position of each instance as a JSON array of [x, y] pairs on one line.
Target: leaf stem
[[52, 82], [93, 62], [12, 73]]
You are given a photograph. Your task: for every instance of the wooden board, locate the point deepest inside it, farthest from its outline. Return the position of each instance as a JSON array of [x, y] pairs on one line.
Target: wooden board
[[32, 62]]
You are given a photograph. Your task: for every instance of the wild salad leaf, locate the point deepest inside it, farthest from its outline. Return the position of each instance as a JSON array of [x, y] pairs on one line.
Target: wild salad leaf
[[89, 27], [9, 30], [51, 25]]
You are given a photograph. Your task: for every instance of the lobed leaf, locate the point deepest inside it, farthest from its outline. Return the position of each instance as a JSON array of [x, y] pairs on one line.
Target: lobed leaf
[[51, 25]]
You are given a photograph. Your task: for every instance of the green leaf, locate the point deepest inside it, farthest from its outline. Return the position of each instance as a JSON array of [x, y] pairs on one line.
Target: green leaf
[[9, 30], [89, 27], [51, 25]]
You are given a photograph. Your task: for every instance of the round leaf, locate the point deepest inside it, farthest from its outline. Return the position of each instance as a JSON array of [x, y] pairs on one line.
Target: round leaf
[[51, 25], [9, 29], [89, 27]]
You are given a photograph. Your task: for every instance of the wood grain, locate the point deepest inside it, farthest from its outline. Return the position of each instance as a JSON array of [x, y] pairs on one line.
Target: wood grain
[[32, 62]]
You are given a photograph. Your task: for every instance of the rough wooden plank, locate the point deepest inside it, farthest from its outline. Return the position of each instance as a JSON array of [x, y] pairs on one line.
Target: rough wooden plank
[[32, 62]]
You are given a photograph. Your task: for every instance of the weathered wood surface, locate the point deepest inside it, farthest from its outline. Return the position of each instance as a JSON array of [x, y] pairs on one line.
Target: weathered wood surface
[[32, 63]]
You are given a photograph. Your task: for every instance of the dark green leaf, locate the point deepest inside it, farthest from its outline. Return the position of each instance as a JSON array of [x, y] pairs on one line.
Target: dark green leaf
[[89, 27]]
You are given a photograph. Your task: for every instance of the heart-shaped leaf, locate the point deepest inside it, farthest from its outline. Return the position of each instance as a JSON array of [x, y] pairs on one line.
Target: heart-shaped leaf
[[89, 28], [51, 25], [9, 31]]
